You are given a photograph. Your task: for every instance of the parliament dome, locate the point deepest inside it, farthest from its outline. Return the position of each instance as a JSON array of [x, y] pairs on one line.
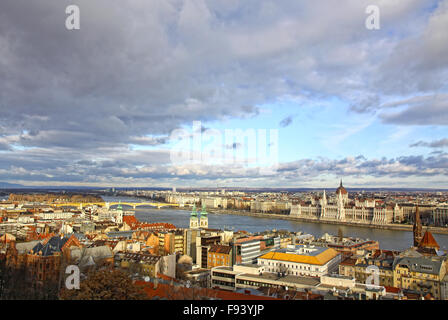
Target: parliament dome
[[341, 189]]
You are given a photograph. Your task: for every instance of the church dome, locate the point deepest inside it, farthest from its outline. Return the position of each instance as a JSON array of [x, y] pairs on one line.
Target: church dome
[[341, 189]]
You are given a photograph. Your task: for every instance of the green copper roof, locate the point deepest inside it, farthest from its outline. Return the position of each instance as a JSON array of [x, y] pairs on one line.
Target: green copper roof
[[193, 212], [203, 212]]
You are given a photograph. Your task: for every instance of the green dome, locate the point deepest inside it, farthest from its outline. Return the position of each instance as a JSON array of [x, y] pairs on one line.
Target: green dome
[[203, 212]]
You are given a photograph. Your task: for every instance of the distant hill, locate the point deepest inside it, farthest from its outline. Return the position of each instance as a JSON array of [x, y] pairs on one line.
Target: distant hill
[[6, 185]]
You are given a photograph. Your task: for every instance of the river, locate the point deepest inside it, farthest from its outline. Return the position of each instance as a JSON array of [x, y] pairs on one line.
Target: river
[[388, 239]]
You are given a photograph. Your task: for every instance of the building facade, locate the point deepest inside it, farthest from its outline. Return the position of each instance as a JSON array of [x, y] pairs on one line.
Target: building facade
[[342, 210], [219, 255], [301, 261], [422, 274]]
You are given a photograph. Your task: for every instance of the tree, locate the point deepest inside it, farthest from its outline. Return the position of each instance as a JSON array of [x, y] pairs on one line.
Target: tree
[[16, 283], [105, 284], [340, 234]]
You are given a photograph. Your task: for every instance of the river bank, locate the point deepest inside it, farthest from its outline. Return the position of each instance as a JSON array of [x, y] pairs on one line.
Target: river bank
[[397, 227]]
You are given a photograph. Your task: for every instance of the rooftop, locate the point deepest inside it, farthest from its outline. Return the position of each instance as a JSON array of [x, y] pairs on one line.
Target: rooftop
[[305, 281], [302, 254]]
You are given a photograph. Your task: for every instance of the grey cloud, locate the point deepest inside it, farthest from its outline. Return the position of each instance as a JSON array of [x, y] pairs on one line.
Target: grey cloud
[[442, 143], [149, 167], [420, 63], [286, 121], [426, 110], [416, 66]]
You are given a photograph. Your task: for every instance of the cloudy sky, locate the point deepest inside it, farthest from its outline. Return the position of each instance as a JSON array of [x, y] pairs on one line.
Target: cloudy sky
[[98, 106]]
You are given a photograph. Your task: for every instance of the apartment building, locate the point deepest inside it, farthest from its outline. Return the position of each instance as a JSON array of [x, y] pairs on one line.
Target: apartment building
[[417, 272], [301, 260], [219, 255], [253, 276], [247, 250]]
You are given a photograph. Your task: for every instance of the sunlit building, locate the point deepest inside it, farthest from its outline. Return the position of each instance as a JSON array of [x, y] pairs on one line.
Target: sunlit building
[[301, 260], [342, 210]]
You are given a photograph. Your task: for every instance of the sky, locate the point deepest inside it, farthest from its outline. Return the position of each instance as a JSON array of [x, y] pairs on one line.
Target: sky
[[145, 93]]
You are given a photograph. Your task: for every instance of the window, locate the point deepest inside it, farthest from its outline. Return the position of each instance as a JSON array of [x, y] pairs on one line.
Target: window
[[426, 268]]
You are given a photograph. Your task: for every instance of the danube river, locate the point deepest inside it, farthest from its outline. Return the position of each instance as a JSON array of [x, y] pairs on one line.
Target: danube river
[[388, 239]]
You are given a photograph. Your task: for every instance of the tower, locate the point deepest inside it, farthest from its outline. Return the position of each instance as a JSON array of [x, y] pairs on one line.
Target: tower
[[341, 206], [119, 214], [417, 228], [341, 191], [323, 205], [204, 218], [194, 221]]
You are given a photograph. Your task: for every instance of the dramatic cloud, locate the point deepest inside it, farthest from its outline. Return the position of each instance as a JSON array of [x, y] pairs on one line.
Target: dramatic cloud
[[146, 168], [98, 105], [416, 69]]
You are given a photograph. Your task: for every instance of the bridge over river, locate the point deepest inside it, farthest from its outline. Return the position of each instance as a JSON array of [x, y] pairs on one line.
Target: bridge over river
[[107, 205]]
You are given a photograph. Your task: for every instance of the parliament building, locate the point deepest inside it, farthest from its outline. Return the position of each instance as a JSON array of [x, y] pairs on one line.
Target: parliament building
[[341, 209]]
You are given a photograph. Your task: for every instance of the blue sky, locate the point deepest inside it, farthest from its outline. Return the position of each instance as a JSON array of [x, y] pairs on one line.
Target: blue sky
[[329, 129]]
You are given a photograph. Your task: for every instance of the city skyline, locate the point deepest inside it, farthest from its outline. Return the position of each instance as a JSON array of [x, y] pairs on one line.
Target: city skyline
[[97, 106]]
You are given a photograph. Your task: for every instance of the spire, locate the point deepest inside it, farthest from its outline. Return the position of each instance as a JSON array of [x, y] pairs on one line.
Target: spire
[[203, 212], [340, 183], [204, 218], [194, 221], [417, 228]]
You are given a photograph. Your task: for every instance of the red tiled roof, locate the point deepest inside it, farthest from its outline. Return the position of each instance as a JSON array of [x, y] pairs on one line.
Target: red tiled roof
[[428, 241], [348, 262], [134, 224], [220, 249], [392, 289], [183, 293]]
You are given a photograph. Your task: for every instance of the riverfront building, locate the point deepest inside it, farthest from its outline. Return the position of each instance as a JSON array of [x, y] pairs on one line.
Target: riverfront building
[[343, 210]]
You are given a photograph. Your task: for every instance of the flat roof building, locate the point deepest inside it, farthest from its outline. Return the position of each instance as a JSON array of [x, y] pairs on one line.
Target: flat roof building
[[301, 260]]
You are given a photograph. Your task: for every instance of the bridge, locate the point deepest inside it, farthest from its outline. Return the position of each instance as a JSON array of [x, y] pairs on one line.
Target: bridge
[[134, 205]]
